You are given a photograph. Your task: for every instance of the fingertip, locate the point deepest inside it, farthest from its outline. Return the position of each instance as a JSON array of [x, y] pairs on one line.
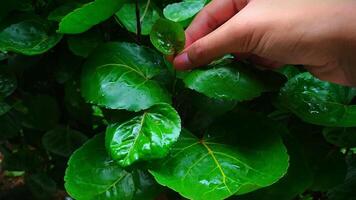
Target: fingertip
[[182, 62]]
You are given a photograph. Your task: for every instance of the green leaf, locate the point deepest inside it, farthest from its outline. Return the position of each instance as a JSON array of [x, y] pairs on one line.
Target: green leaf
[[318, 102], [225, 82], [8, 84], [41, 186], [29, 37], [179, 12], [145, 137], [4, 108], [168, 37], [149, 15], [60, 12], [342, 137], [63, 141], [83, 44], [91, 174], [295, 182], [88, 15], [235, 157], [118, 76]]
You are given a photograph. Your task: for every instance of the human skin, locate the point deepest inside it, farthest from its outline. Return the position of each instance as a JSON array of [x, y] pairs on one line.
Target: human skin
[[319, 34]]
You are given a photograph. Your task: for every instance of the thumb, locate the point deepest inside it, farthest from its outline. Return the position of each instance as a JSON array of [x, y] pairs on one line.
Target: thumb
[[231, 37]]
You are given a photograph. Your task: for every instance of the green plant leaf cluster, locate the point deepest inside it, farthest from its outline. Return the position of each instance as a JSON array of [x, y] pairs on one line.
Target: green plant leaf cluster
[[91, 108]]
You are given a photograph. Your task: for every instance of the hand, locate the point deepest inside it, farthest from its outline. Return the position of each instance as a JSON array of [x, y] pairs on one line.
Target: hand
[[320, 34]]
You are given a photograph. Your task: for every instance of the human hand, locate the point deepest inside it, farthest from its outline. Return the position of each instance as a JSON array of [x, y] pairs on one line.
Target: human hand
[[319, 34]]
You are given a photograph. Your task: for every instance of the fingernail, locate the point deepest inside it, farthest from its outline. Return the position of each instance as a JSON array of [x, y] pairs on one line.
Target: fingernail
[[182, 61]]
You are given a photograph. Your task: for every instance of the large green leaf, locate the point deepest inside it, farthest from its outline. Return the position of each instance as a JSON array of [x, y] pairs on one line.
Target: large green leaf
[[167, 36], [63, 141], [29, 37], [236, 157], [225, 81], [118, 76], [295, 182], [318, 102], [145, 137], [184, 10], [342, 137], [91, 174], [149, 15], [90, 14]]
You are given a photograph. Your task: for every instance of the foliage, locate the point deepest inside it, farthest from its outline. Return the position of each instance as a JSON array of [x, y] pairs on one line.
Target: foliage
[[90, 108]]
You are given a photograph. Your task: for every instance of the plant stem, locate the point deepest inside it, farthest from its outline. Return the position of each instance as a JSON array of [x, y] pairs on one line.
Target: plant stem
[[138, 22]]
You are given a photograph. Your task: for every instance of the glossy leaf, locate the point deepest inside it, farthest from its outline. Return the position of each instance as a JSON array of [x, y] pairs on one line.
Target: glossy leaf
[[145, 137], [91, 174], [167, 36], [88, 15], [83, 44], [8, 84], [318, 102], [149, 15], [29, 37], [224, 82], [209, 168], [119, 76], [179, 12], [63, 141]]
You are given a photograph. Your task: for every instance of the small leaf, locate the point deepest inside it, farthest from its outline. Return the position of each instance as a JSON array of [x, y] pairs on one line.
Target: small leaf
[[29, 37], [119, 76], [179, 12], [8, 84], [224, 82], [4, 108], [63, 141], [318, 102], [91, 174], [83, 44], [167, 36], [149, 15], [144, 137], [88, 15], [342, 137], [209, 168]]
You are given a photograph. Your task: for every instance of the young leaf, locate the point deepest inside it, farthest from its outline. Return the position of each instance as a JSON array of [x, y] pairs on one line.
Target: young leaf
[[118, 76], [63, 141], [342, 137], [149, 15], [167, 36], [179, 12], [90, 14], [144, 137], [209, 168], [91, 174], [318, 102], [224, 82], [30, 37]]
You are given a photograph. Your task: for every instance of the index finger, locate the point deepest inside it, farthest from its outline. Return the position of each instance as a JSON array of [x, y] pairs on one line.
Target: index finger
[[211, 17]]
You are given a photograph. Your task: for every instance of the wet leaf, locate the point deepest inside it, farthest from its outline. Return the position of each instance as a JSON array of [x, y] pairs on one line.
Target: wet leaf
[[119, 76], [179, 12], [145, 137], [167, 36]]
